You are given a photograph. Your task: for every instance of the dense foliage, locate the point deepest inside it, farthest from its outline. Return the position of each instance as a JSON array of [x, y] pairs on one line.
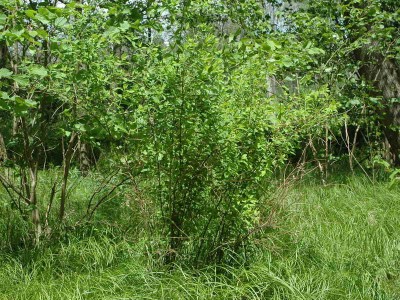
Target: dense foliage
[[186, 111]]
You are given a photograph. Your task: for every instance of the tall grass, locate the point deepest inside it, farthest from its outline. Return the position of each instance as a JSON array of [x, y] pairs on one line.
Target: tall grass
[[341, 241]]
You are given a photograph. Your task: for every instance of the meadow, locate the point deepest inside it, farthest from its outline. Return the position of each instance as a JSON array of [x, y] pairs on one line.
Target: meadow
[[334, 241]]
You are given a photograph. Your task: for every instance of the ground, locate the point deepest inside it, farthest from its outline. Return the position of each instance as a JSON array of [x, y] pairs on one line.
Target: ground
[[339, 241]]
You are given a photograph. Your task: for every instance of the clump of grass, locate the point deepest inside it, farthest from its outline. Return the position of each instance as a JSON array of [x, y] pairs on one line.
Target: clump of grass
[[347, 237], [341, 241]]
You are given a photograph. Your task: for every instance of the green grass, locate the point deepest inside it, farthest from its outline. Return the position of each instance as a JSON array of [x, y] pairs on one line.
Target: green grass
[[341, 241]]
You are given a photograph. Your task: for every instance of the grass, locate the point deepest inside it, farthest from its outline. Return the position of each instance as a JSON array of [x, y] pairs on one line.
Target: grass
[[341, 241]]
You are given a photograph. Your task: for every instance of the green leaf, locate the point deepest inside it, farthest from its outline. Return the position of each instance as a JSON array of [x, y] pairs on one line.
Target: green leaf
[[22, 106], [287, 62], [67, 133], [25, 103], [21, 80], [59, 75], [4, 96], [60, 22], [80, 127], [5, 73], [38, 70], [124, 26], [30, 13], [111, 31], [42, 33], [315, 51], [45, 12], [4, 104], [42, 19], [271, 45], [30, 103], [3, 18], [32, 33], [355, 102]]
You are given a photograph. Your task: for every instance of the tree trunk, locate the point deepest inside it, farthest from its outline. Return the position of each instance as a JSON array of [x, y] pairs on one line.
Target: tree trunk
[[84, 157], [384, 74], [388, 81], [33, 179], [33, 203], [67, 156], [3, 150], [3, 54]]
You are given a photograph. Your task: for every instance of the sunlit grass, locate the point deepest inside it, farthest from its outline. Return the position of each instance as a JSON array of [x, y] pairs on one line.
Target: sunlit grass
[[341, 241]]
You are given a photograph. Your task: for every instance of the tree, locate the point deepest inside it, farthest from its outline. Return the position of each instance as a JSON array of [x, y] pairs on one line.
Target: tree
[[360, 39], [53, 90]]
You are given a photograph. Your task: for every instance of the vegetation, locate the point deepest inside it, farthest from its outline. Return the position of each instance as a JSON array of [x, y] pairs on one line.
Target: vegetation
[[335, 242], [151, 143]]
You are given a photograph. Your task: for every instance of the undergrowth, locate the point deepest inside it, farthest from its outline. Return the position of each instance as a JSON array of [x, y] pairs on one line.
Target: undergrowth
[[340, 241]]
